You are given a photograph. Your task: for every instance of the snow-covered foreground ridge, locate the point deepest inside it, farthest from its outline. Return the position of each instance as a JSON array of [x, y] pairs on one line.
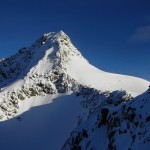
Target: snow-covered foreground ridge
[[117, 123], [52, 71]]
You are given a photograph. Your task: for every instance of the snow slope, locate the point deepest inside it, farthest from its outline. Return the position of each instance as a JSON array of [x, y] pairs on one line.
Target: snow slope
[[42, 128], [87, 74], [46, 90]]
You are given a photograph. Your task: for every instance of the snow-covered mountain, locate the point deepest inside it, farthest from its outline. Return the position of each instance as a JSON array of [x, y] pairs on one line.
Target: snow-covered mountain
[[69, 93]]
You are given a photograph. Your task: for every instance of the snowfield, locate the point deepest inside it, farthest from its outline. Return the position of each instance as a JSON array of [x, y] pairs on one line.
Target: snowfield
[[52, 98], [43, 127], [87, 74]]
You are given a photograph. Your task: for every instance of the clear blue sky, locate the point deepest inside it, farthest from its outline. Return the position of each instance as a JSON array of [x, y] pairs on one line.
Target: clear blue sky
[[113, 35]]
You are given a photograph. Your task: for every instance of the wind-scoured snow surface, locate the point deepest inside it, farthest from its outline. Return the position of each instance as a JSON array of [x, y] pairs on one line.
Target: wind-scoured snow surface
[[49, 90]]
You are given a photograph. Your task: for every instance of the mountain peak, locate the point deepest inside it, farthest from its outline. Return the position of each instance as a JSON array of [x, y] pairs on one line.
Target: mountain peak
[[54, 35], [62, 34], [59, 38], [55, 50], [50, 34]]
